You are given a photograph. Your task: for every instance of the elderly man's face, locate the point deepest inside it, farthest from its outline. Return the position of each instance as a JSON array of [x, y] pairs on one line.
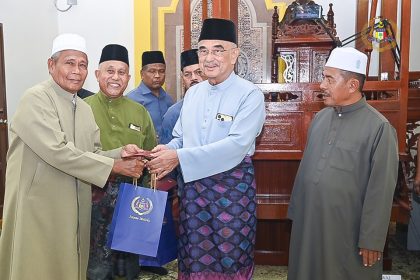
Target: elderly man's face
[[153, 75], [113, 77], [69, 69], [217, 59], [192, 75], [338, 91]]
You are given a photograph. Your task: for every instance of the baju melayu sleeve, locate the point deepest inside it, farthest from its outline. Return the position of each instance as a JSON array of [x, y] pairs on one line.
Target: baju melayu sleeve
[[380, 190], [39, 122], [217, 127]]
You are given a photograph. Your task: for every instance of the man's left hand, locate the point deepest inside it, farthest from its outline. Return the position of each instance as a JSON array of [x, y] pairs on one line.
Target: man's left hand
[[370, 257], [130, 150], [164, 162]]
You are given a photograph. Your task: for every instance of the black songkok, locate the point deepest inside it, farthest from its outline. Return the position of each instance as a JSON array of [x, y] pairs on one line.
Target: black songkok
[[114, 52], [150, 57], [218, 29], [188, 58]]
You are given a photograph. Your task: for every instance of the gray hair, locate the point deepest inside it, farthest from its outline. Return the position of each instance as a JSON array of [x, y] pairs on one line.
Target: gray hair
[[352, 75], [56, 55]]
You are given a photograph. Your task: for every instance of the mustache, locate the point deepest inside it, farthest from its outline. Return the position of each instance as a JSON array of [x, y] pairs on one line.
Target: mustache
[[211, 64]]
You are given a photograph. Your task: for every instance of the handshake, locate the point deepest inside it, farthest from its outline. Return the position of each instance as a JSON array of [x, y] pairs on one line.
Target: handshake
[[132, 163]]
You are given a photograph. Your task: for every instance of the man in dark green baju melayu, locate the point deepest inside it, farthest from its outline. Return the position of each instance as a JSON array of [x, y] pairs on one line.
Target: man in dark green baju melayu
[[342, 197], [120, 120]]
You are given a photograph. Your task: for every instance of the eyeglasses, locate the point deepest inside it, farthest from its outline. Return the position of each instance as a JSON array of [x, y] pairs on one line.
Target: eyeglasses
[[188, 75], [216, 52]]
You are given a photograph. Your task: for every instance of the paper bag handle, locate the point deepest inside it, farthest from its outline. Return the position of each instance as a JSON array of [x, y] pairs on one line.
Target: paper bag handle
[[153, 181]]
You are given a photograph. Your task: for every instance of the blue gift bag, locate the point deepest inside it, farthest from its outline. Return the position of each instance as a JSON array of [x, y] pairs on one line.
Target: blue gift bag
[[167, 250], [114, 215], [137, 220]]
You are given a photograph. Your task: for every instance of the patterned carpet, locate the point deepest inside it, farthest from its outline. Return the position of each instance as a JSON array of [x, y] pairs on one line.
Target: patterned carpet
[[405, 263]]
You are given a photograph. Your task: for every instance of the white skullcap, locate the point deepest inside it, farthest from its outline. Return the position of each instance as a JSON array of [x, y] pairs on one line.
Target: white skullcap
[[348, 59], [68, 41]]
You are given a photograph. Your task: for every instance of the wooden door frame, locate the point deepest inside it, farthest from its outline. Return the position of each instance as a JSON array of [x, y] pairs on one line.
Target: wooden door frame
[[227, 9]]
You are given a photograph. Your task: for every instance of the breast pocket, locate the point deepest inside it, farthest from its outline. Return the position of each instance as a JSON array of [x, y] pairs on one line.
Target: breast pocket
[[223, 126], [134, 137], [344, 156]]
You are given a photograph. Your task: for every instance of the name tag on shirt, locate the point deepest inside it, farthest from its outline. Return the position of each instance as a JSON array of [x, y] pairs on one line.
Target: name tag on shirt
[[223, 117], [134, 127], [391, 277]]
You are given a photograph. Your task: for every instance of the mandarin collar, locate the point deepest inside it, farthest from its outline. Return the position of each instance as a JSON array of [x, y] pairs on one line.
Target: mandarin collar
[[350, 108], [225, 84], [60, 91], [105, 99]]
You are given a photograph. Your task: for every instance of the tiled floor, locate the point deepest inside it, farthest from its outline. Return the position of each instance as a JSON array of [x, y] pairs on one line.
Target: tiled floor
[[262, 272], [405, 263]]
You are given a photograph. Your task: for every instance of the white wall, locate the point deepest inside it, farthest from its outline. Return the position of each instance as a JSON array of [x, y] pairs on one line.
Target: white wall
[[345, 26], [101, 22], [30, 27]]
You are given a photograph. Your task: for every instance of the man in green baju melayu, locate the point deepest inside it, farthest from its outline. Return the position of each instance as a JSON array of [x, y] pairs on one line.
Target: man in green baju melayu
[[121, 120]]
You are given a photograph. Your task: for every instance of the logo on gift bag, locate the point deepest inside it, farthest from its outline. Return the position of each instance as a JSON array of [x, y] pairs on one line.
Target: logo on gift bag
[[141, 205]]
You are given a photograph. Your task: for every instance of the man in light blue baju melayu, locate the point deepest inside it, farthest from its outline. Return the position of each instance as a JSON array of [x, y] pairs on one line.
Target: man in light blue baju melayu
[[214, 139]]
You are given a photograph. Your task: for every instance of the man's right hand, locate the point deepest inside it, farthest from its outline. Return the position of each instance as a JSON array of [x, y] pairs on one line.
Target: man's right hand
[[159, 148], [128, 167]]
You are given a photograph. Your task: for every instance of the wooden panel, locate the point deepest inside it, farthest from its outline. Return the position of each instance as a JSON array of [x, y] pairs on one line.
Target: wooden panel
[[361, 21], [275, 180], [413, 109], [386, 61], [272, 242], [225, 9], [233, 11], [205, 11], [217, 13], [282, 132], [187, 24]]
